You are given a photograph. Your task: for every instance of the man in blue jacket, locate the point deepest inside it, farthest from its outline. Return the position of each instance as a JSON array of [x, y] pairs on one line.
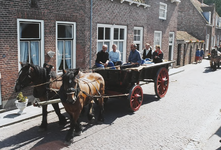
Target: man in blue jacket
[[134, 57]]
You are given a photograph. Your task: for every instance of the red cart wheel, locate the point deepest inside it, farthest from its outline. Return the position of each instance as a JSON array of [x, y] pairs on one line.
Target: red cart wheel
[[161, 82], [135, 97]]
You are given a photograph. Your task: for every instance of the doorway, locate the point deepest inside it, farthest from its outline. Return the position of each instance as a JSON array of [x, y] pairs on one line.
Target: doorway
[[179, 54]]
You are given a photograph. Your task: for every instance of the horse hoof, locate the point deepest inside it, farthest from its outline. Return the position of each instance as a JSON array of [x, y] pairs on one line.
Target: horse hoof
[[78, 133], [62, 123], [68, 143], [101, 120], [92, 121]]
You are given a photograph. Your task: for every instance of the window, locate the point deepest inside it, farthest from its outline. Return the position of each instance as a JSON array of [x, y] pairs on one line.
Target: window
[[209, 17], [112, 34], [219, 22], [66, 41], [163, 11], [214, 40], [171, 45], [207, 42], [30, 41], [157, 38], [138, 38]]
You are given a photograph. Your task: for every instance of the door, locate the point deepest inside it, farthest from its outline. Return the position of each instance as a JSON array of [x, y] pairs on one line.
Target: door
[[178, 54]]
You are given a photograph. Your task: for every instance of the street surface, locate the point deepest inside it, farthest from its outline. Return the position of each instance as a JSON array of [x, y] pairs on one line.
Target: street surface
[[187, 118]]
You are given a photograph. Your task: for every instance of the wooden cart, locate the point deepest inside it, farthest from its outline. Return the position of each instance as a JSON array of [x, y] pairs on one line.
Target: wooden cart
[[125, 82]]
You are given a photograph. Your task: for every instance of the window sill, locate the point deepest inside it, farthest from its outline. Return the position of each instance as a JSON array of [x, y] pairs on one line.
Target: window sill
[[163, 19]]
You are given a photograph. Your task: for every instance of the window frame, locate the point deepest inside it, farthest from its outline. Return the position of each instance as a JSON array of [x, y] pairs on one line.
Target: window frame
[[156, 32], [171, 44], [112, 40], [140, 42], [165, 11], [41, 32], [73, 39], [207, 41]]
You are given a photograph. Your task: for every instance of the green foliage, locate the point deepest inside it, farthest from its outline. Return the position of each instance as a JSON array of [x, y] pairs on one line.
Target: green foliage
[[218, 5], [20, 97]]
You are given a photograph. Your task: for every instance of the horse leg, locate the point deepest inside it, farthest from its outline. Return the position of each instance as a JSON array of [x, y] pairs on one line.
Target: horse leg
[[44, 123], [69, 136], [101, 110], [75, 128], [78, 128], [90, 114], [62, 119]]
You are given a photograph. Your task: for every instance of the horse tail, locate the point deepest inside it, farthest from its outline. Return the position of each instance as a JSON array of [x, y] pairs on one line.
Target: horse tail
[[102, 85]]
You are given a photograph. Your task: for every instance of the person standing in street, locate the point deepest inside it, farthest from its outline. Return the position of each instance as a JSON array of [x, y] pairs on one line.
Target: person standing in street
[[197, 57], [201, 54]]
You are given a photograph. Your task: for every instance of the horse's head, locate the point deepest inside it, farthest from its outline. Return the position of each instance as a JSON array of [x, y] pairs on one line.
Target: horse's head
[[32, 74], [70, 88], [24, 78]]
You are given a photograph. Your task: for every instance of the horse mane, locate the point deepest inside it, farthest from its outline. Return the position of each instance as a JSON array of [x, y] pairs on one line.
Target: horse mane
[[41, 73], [43, 76]]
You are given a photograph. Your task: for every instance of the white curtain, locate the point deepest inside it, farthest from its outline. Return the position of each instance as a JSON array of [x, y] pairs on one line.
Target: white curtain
[[108, 46], [68, 53], [24, 52], [59, 53], [35, 53]]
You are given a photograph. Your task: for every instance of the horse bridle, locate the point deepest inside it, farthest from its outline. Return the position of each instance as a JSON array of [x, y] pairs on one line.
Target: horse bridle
[[26, 76], [78, 89]]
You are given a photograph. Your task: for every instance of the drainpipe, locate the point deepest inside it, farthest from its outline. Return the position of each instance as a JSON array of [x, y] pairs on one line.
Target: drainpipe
[[0, 91], [91, 31]]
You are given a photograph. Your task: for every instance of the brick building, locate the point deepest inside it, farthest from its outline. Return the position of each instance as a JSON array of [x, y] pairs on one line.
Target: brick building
[[64, 34], [200, 21]]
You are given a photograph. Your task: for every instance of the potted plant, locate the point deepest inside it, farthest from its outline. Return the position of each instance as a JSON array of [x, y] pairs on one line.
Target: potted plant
[[21, 102], [209, 55]]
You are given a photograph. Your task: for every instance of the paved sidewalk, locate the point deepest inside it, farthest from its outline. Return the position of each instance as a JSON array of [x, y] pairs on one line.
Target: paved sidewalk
[[11, 117]]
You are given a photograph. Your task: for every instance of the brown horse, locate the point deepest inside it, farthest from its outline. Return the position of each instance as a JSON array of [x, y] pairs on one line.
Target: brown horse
[[77, 90], [45, 86]]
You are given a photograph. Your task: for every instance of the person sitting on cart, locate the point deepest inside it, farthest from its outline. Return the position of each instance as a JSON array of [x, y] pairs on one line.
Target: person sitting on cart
[[157, 55], [134, 58], [147, 52], [115, 55], [102, 59]]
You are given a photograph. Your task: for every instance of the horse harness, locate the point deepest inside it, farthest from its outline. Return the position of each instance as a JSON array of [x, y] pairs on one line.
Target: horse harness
[[78, 89]]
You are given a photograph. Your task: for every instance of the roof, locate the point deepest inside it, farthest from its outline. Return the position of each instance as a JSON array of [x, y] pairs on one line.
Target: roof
[[184, 36], [198, 5]]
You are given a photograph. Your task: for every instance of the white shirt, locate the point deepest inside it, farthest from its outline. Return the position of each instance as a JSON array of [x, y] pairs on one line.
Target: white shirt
[[115, 56]]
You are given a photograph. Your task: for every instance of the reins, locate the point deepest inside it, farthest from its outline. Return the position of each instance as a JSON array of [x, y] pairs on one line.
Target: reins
[[48, 82]]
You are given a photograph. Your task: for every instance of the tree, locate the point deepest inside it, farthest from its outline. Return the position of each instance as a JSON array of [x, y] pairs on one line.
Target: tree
[[217, 3]]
